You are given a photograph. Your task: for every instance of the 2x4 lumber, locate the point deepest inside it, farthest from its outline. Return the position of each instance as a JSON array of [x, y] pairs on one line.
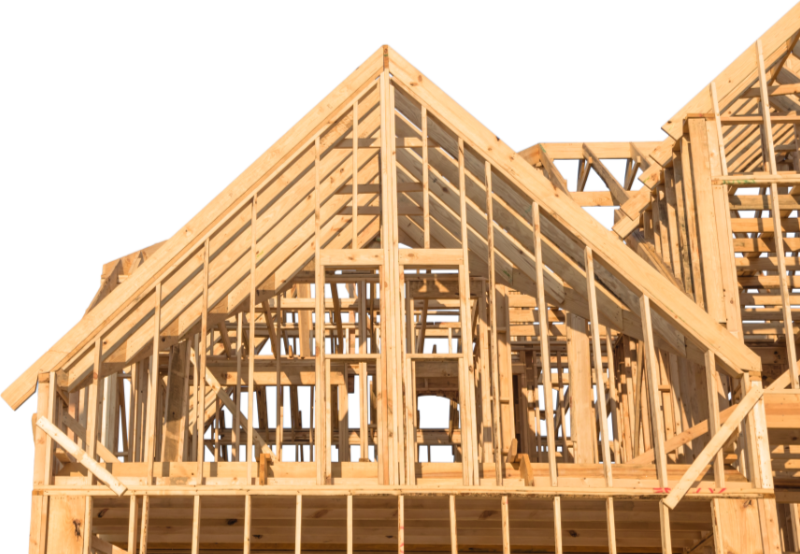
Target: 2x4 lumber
[[81, 456], [678, 187], [718, 126], [391, 450], [152, 392], [493, 358], [196, 526], [672, 223], [779, 90], [348, 259], [175, 416], [714, 445], [354, 225], [249, 453], [584, 168], [189, 237], [237, 389], [713, 416], [401, 522], [598, 367], [756, 179], [559, 537], [551, 171], [43, 464], [298, 524], [601, 404], [438, 257], [776, 222], [709, 246], [544, 345], [631, 168], [248, 523], [426, 226], [133, 524], [749, 202], [658, 423], [722, 224], [200, 393], [582, 422], [468, 419], [574, 150], [505, 524], [320, 389], [763, 225], [453, 526], [625, 265], [349, 524]]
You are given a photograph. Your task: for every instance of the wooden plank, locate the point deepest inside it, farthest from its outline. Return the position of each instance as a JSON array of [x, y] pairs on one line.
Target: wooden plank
[[598, 367], [453, 528], [437, 257], [709, 246], [298, 525], [594, 199], [349, 524], [736, 526], [401, 522], [133, 521], [65, 523], [505, 524], [763, 202], [494, 367], [81, 455], [559, 537], [351, 258], [175, 413], [582, 423], [426, 224], [321, 388], [713, 416], [544, 347], [714, 445], [692, 223], [248, 521], [658, 423], [551, 171]]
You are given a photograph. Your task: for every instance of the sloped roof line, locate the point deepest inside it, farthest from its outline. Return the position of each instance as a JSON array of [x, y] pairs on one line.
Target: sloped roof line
[[733, 79], [191, 236], [697, 325], [564, 212]]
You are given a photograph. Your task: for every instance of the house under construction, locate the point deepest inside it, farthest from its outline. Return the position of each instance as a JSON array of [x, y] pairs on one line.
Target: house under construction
[[394, 333]]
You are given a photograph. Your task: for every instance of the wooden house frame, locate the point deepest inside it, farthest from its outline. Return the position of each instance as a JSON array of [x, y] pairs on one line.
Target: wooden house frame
[[621, 391]]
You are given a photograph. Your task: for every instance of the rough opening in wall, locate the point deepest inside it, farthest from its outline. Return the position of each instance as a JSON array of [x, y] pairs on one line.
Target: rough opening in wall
[[436, 454], [434, 411], [437, 345]]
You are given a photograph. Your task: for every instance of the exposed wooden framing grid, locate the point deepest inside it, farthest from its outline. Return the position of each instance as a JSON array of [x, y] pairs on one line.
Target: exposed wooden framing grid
[[448, 268]]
